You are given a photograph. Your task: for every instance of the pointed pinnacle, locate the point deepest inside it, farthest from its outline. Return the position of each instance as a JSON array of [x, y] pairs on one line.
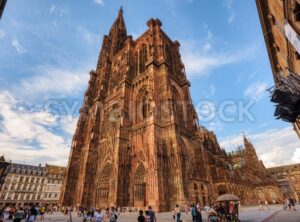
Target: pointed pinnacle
[[121, 10]]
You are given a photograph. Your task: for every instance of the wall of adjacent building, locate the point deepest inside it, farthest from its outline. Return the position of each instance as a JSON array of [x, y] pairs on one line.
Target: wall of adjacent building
[[283, 56]]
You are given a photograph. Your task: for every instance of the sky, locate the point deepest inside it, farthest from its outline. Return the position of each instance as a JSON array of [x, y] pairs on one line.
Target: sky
[[47, 49]]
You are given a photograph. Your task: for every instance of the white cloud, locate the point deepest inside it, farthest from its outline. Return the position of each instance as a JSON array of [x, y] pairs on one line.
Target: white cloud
[[2, 34], [199, 62], [231, 17], [51, 82], [60, 11], [275, 147], [28, 135], [256, 91], [99, 2], [88, 36], [52, 9], [20, 49], [228, 4], [69, 124]]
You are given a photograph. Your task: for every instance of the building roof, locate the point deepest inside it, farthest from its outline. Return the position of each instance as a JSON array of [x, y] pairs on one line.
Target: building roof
[[52, 169], [284, 168]]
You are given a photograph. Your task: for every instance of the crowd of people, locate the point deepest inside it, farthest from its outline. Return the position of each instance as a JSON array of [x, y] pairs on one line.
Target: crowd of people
[[215, 213], [29, 213]]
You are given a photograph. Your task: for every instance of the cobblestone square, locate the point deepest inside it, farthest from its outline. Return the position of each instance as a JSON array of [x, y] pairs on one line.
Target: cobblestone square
[[248, 214]]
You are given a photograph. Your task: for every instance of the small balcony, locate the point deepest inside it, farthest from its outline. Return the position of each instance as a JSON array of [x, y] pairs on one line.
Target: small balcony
[[286, 95]]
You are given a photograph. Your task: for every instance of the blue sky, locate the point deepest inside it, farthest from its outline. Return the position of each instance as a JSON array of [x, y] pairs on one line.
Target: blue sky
[[48, 47]]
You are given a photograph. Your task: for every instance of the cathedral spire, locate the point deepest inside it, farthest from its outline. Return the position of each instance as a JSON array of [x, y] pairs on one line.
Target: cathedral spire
[[121, 10], [119, 24], [246, 141], [118, 33]]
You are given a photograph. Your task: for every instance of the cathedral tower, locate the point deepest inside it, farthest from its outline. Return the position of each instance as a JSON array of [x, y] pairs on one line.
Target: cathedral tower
[[136, 141]]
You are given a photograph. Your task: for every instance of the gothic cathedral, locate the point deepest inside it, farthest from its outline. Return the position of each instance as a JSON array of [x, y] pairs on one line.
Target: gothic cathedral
[[137, 140]]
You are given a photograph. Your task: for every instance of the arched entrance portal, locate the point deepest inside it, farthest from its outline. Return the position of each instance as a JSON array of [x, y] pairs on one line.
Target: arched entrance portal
[[140, 186], [103, 186]]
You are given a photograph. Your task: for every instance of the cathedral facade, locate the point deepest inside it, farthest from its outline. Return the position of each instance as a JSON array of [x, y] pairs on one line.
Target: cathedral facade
[[138, 141]]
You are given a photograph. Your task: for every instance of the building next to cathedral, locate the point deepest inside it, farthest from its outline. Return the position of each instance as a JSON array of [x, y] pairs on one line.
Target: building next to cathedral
[[288, 178], [138, 141], [280, 21], [26, 184], [53, 187]]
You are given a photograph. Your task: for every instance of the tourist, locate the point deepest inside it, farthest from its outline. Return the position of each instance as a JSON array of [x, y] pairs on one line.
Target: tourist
[[42, 211], [2, 215], [206, 209], [151, 214], [199, 215], [176, 213], [141, 217], [186, 208], [292, 203], [213, 216], [32, 213], [99, 217], [194, 212], [147, 216], [18, 215], [113, 215]]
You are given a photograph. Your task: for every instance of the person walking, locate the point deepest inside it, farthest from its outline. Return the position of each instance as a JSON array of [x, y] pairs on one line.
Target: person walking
[[99, 217], [151, 214], [18, 216], [292, 204], [32, 214], [113, 215], [141, 217], [194, 212], [42, 211], [177, 214], [147, 216], [186, 208], [199, 215]]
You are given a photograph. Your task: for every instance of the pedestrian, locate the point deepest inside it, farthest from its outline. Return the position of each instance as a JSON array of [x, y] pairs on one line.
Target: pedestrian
[[99, 217], [147, 216], [292, 204], [199, 215], [141, 217], [177, 214], [151, 214], [212, 216], [42, 211], [18, 215], [32, 213], [1, 215], [206, 209], [194, 212], [186, 208], [113, 215]]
